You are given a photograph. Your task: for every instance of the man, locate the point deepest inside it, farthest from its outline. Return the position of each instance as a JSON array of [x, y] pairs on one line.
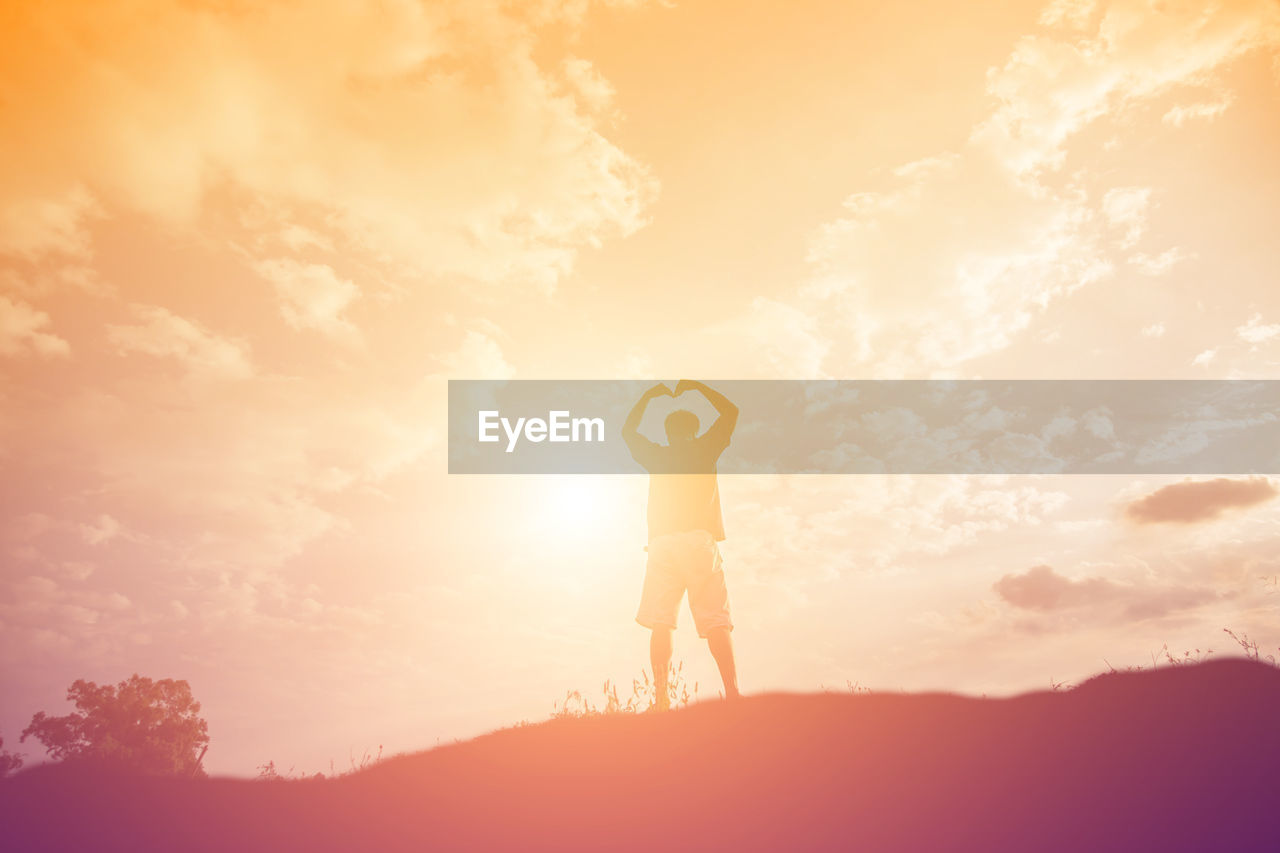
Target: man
[[684, 527]]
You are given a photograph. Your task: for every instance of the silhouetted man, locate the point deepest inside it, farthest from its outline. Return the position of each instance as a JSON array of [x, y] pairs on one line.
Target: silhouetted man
[[684, 527]]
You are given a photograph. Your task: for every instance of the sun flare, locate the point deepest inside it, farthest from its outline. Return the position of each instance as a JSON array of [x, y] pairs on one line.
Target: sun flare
[[578, 504]]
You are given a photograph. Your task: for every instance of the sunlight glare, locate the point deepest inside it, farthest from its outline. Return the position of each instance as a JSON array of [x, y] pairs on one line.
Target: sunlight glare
[[576, 503]]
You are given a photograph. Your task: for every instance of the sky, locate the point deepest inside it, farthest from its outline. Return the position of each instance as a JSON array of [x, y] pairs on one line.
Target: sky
[[244, 245]]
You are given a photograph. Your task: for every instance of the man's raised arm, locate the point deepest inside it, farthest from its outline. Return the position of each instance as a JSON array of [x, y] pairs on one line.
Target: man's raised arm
[[631, 427], [728, 412]]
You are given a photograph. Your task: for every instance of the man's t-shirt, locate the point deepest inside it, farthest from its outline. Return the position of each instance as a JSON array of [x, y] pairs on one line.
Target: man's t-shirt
[[683, 492]]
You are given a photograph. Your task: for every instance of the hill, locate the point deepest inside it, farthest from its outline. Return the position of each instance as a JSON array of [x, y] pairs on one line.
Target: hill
[[1184, 758]]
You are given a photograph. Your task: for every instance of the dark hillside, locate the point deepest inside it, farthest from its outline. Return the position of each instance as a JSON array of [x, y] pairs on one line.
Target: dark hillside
[[1184, 758]]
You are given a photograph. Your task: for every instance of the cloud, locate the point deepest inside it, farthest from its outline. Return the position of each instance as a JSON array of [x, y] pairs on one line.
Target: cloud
[[1194, 430], [1205, 358], [1044, 590], [595, 90], [164, 334], [781, 340], [41, 614], [479, 356], [1181, 114], [1056, 84], [220, 477], [950, 258], [1069, 13], [1041, 588], [818, 528], [312, 296], [1194, 501], [1257, 332], [1161, 263], [1126, 208], [36, 281], [191, 113], [1155, 330], [101, 531], [35, 223], [21, 330], [997, 257]]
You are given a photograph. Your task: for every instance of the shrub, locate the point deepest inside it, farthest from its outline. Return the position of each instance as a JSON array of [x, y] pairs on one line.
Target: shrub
[[1250, 647], [644, 696], [139, 724], [9, 762], [270, 771]]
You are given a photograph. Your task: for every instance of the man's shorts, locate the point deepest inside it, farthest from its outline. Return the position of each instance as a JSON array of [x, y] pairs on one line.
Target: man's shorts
[[679, 561]]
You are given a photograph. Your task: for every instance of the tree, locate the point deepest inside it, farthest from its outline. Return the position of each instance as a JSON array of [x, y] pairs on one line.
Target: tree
[[139, 724], [9, 762]]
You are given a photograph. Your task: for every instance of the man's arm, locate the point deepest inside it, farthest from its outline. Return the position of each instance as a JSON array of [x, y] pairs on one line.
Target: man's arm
[[728, 412], [636, 442]]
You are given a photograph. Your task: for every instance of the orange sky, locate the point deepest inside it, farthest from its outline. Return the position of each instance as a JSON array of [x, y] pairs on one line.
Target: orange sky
[[242, 246]]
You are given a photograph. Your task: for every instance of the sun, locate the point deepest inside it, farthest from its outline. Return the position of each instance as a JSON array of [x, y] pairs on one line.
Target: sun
[[575, 502], [581, 509]]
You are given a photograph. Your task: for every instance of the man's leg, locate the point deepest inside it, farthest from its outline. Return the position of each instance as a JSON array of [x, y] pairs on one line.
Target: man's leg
[[660, 659], [722, 650]]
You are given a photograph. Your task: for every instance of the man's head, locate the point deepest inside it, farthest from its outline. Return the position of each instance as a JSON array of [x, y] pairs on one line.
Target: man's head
[[681, 425]]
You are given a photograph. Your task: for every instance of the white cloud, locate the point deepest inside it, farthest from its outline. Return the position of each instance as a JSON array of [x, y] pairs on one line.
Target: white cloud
[[1069, 13], [329, 112], [299, 237], [478, 357], [164, 334], [778, 339], [826, 527], [35, 222], [1155, 330], [950, 258], [312, 296], [101, 531], [635, 364], [1126, 208], [1161, 263], [22, 330], [1181, 114], [994, 261], [1205, 358], [1055, 84], [595, 90], [1256, 332]]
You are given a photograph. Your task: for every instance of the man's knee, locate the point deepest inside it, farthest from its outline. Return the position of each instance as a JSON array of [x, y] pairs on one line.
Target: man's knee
[[718, 634]]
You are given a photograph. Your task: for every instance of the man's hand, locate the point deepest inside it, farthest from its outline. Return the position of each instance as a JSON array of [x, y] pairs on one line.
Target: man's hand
[[630, 429], [728, 412], [658, 390]]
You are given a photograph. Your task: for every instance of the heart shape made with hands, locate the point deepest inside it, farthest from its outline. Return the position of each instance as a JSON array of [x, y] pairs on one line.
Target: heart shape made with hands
[[689, 399], [674, 391], [671, 401]]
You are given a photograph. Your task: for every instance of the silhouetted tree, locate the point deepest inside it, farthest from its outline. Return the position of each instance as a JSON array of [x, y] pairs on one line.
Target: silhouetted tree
[[139, 724], [9, 762]]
